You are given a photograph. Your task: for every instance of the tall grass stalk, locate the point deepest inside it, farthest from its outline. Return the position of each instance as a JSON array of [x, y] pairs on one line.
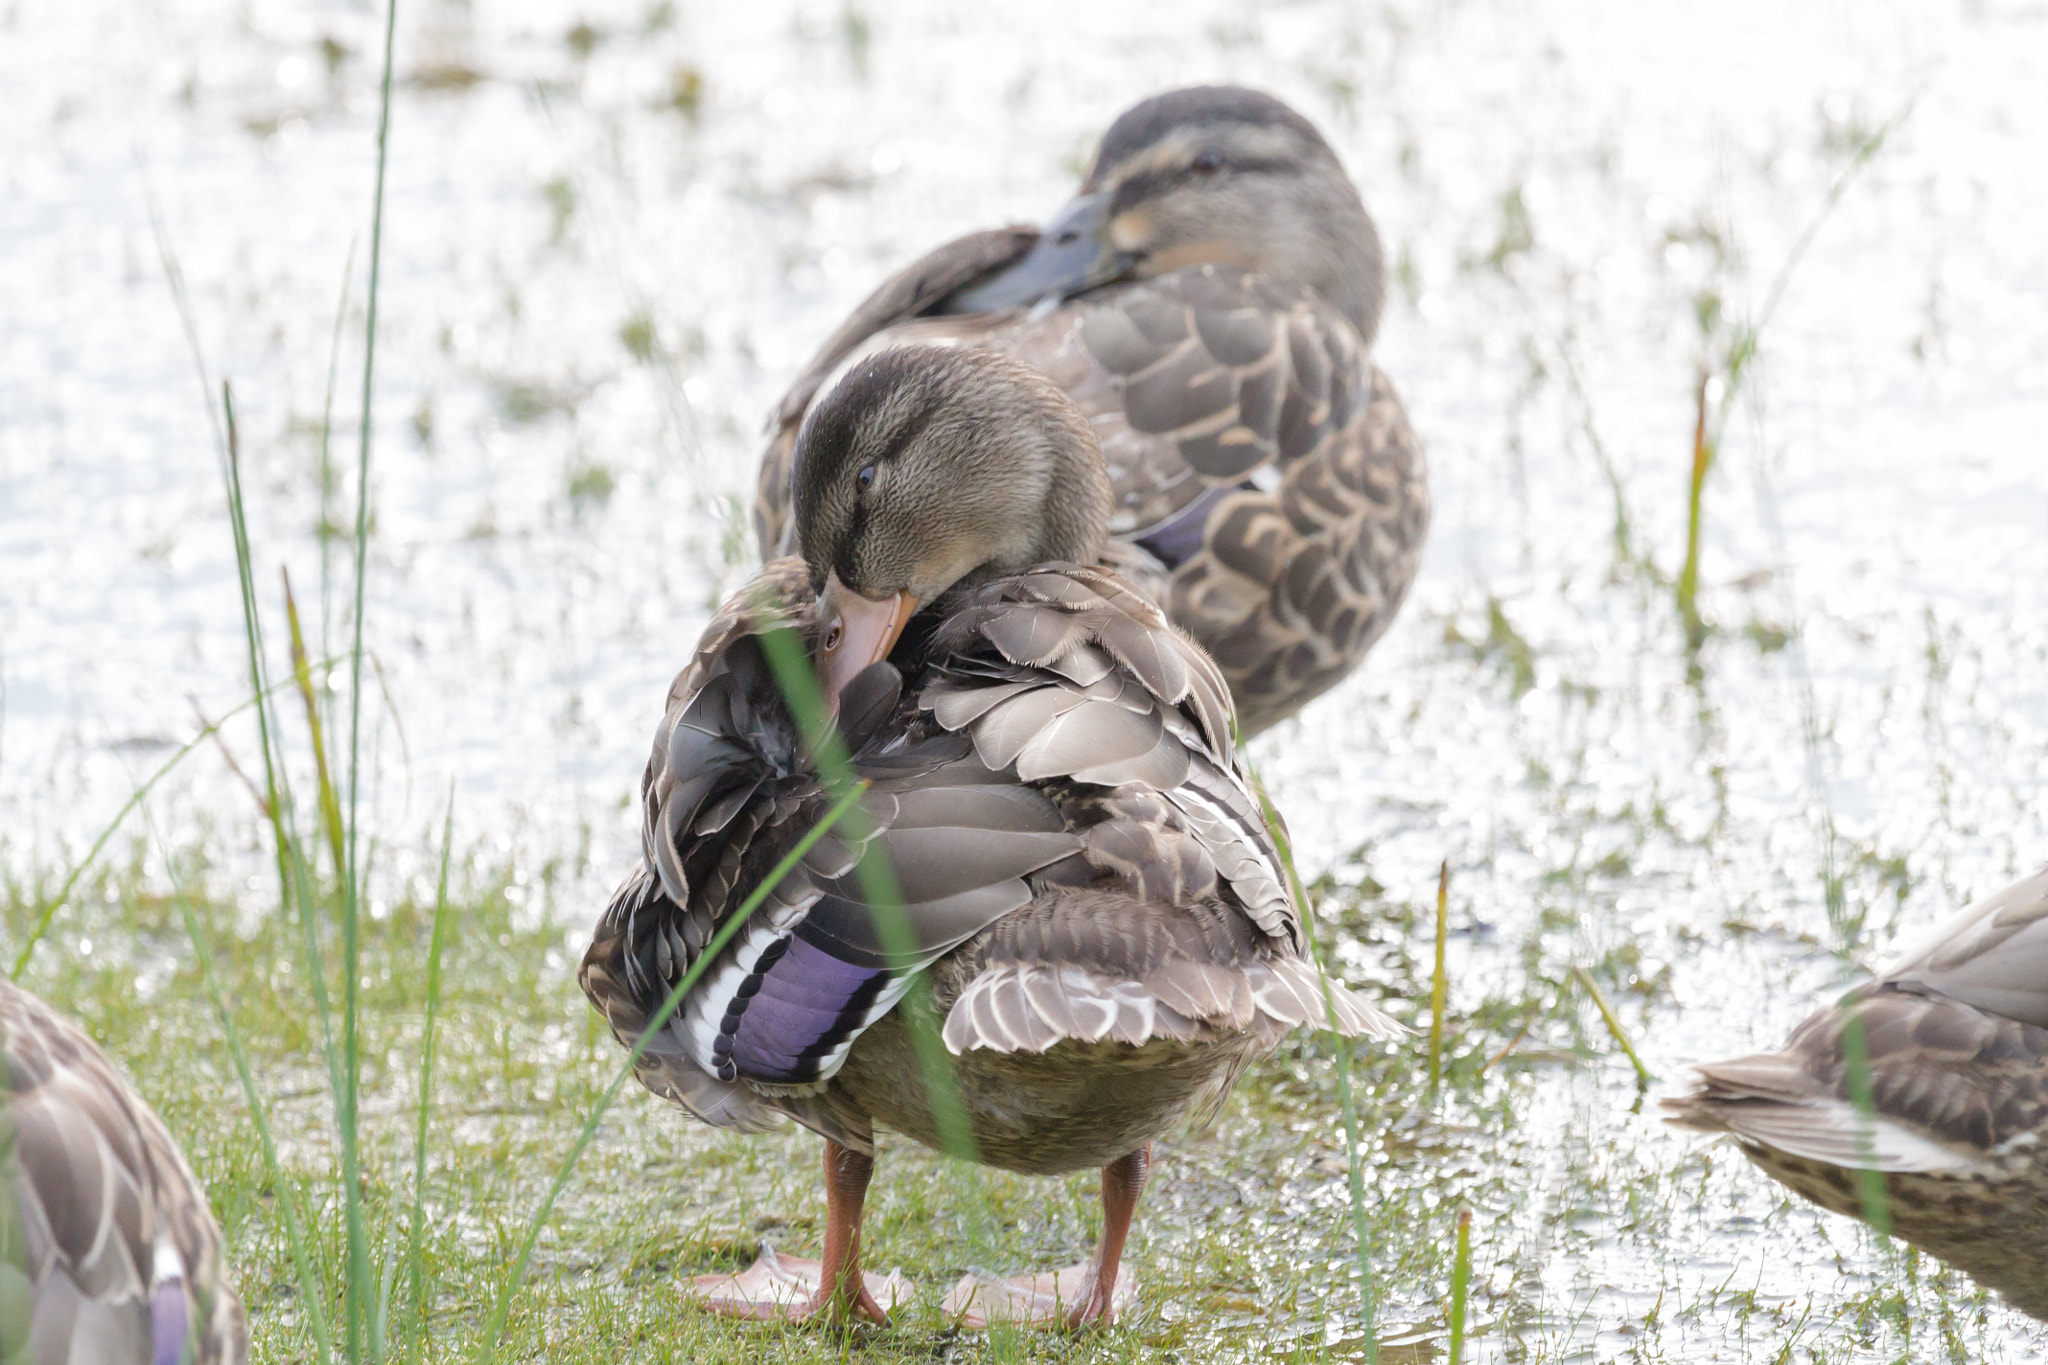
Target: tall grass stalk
[[502, 1308], [1712, 411], [415, 1276], [1340, 1047], [348, 1098], [295, 881], [296, 888], [302, 674], [1439, 982], [1613, 1022], [884, 894], [1461, 1284], [1870, 1187], [1703, 449]]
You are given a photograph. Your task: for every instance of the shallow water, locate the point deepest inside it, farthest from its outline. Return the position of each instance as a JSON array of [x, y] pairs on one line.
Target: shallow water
[[606, 250]]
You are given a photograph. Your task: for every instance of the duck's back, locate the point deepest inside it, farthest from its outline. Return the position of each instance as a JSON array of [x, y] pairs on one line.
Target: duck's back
[[1261, 462], [1055, 794], [110, 1250]]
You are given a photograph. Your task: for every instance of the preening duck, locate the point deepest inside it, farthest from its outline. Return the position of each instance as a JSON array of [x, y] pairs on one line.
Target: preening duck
[[111, 1254], [1209, 300], [1086, 883], [1955, 1038]]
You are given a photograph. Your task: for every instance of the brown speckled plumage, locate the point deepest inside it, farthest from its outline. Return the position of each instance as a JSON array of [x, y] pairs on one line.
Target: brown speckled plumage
[[1054, 781], [1151, 908], [1087, 883], [107, 1246], [1958, 1072], [1257, 453]]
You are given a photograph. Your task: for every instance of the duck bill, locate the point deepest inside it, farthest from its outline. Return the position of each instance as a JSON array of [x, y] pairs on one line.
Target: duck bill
[[1073, 254], [858, 631]]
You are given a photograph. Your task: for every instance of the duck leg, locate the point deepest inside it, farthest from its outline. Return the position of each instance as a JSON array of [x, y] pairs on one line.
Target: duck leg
[[783, 1288], [1092, 1292]]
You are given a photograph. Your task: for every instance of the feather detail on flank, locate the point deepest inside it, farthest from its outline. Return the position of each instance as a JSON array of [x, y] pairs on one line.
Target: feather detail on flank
[[1030, 1007]]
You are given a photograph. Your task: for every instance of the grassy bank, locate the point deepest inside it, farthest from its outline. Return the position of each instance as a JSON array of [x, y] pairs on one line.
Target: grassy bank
[[1243, 1243]]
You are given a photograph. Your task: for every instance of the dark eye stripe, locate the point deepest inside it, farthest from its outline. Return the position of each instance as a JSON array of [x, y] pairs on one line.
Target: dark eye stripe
[[1146, 184]]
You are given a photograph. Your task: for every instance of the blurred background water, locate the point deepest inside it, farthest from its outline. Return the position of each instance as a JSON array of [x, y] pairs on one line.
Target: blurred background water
[[614, 230]]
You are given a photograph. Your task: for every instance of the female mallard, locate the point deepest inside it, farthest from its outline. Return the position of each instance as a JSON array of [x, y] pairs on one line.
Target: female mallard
[[1086, 883], [108, 1253], [1956, 1042], [1208, 300]]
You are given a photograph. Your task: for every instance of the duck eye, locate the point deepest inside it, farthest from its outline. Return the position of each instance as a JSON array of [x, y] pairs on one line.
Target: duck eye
[[865, 477], [1207, 162], [833, 635]]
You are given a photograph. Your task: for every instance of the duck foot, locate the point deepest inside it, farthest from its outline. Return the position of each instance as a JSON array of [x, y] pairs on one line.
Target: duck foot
[[1060, 1298], [778, 1288]]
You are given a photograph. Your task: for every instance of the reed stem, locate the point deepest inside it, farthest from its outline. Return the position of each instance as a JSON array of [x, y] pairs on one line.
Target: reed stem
[[1613, 1021], [1439, 982], [1461, 1284]]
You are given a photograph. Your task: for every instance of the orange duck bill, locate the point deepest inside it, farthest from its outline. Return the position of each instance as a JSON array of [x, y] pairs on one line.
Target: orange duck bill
[[858, 631]]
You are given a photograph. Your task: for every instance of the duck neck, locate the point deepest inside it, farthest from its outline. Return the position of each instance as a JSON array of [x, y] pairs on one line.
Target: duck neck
[[1355, 280], [1074, 523]]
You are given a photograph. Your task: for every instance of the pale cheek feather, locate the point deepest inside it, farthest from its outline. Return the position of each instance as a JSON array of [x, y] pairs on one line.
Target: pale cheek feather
[[1131, 230]]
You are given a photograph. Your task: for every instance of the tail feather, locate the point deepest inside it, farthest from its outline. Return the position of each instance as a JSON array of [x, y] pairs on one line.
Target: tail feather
[[1031, 1006]]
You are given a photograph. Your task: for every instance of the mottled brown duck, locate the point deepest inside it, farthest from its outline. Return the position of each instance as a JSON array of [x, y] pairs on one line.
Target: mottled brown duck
[[1956, 1121], [108, 1252], [1209, 299], [1086, 883]]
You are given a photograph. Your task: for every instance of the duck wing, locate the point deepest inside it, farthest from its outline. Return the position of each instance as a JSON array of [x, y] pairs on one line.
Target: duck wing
[[115, 1255], [728, 795], [1174, 920], [1992, 954]]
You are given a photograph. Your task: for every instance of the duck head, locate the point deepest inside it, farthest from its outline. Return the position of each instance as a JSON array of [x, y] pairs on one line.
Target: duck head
[[1215, 175], [926, 472]]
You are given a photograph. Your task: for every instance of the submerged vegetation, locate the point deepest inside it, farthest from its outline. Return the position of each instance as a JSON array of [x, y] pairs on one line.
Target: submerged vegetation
[[1573, 837]]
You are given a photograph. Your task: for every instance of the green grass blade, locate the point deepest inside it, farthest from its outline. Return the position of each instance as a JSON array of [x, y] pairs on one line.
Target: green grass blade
[[294, 876], [326, 471], [1461, 1284], [1613, 1022], [302, 674], [1439, 982], [415, 1277], [1340, 1047], [294, 872], [879, 887], [348, 1097], [1870, 1186], [1704, 445], [848, 802]]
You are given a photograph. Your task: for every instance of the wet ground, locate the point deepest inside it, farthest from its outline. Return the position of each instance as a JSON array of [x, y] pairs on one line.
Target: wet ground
[[614, 230]]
